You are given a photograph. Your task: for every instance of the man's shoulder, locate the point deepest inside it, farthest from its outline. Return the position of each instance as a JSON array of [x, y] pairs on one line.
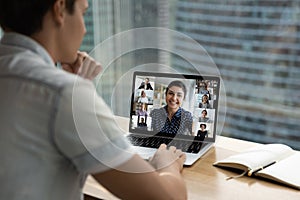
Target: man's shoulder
[[32, 64], [51, 77], [58, 77], [39, 73], [46, 77]]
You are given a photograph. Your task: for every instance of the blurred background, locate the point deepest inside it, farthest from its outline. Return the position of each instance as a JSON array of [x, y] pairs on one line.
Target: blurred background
[[255, 45]]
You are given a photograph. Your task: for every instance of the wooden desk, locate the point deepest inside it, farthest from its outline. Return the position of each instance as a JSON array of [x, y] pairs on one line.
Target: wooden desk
[[207, 182]]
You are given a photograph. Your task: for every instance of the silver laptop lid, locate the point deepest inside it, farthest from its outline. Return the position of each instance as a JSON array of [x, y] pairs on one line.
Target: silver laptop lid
[[196, 118]]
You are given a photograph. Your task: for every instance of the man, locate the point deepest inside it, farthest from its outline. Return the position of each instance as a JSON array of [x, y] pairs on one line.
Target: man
[[54, 129]]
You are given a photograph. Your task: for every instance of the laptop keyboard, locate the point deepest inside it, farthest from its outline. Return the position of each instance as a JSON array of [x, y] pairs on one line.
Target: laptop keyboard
[[155, 142]]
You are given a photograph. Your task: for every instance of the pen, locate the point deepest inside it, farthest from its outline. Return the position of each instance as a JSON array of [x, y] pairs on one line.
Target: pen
[[251, 172]]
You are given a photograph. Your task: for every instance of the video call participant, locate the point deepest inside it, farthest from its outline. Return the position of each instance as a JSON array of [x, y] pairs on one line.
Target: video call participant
[[172, 119], [203, 117], [42, 154], [203, 87], [143, 110], [143, 98], [146, 85], [202, 133], [142, 123], [204, 103]]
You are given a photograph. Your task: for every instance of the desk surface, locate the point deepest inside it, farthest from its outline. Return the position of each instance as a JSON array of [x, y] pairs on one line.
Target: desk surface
[[207, 182]]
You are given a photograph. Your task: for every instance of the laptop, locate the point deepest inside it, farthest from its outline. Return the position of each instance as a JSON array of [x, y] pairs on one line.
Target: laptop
[[193, 126]]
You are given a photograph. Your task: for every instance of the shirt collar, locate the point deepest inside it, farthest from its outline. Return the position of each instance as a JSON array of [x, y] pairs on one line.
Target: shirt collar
[[22, 41]]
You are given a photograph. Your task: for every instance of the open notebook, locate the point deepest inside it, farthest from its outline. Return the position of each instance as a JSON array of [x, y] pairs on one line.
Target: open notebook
[[193, 126], [277, 162]]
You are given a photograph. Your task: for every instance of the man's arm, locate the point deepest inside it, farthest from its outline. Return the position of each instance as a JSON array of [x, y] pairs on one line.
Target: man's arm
[[137, 179]]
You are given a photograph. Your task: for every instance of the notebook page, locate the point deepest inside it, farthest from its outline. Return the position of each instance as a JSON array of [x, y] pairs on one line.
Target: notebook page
[[258, 157], [286, 170]]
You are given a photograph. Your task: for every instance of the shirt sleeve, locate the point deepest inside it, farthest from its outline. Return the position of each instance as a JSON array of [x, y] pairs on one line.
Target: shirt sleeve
[[86, 131]]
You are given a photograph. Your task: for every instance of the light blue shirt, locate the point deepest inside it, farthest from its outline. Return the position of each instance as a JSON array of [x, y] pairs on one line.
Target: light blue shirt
[[54, 128]]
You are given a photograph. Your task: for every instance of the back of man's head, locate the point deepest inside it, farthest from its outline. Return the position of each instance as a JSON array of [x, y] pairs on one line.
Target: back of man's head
[[26, 16]]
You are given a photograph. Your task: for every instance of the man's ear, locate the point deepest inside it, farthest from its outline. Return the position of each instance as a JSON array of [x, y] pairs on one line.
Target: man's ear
[[59, 9]]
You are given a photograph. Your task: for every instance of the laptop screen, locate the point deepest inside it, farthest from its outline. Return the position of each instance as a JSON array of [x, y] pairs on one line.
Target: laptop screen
[[174, 105]]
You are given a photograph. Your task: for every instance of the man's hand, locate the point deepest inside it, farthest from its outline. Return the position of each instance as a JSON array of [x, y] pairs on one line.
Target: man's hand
[[170, 158], [85, 66]]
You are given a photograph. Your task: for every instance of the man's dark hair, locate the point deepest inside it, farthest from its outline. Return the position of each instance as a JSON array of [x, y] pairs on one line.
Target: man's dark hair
[[177, 84], [26, 16]]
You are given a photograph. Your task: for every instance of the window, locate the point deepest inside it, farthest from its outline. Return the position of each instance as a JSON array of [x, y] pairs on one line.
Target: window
[[255, 45]]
